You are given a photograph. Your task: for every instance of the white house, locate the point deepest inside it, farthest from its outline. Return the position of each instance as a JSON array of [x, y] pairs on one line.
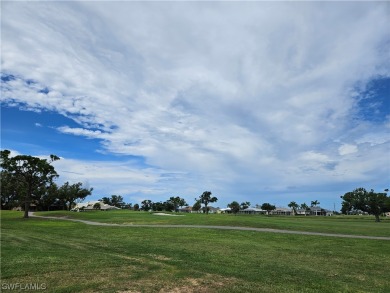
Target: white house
[[252, 211], [281, 211], [225, 211], [318, 211], [303, 212]]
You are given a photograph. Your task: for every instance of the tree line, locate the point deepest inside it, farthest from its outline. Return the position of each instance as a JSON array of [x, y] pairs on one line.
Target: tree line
[[353, 202], [235, 207], [27, 180], [174, 203]]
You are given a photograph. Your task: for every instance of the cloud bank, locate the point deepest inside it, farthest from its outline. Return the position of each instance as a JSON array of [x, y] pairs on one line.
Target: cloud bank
[[244, 99]]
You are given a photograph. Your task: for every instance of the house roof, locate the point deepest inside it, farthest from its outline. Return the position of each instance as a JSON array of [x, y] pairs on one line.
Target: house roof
[[90, 204], [317, 208], [211, 208], [282, 209]]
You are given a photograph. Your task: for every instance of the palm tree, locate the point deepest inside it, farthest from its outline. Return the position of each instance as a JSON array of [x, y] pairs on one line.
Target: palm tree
[[314, 203], [293, 205], [245, 205], [304, 207]]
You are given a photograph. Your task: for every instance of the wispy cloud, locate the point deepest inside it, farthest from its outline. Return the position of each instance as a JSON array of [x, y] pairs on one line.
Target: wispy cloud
[[257, 93]]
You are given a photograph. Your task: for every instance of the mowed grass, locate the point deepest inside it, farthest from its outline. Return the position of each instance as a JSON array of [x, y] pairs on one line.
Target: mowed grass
[[354, 225], [75, 257]]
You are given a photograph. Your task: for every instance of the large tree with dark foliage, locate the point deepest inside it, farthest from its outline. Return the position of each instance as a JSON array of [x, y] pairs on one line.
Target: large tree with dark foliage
[[206, 198], [234, 207], [117, 201], [27, 175], [177, 202], [9, 192], [267, 207], [367, 201], [146, 205], [69, 193], [49, 198], [197, 206]]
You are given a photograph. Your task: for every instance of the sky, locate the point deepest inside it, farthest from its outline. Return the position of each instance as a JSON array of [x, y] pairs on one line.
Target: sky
[[254, 101]]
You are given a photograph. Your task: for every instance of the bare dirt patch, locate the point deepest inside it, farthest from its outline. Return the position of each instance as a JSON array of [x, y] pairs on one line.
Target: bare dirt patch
[[164, 214], [209, 283]]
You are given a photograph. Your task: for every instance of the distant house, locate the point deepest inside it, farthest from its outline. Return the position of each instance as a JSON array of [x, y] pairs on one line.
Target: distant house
[[329, 213], [252, 211], [186, 209], [202, 210], [318, 211], [90, 206], [212, 210], [303, 212], [281, 211], [225, 211]]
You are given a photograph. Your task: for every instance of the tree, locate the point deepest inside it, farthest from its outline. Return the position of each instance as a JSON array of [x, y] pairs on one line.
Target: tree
[[177, 202], [387, 202], [314, 203], [197, 206], [69, 193], [387, 205], [128, 206], [9, 194], [29, 175], [114, 200], [136, 207], [49, 197], [106, 200], [158, 206], [117, 201], [234, 207], [293, 205], [168, 206], [206, 198], [305, 207], [146, 205], [267, 207], [245, 205], [366, 201], [97, 206]]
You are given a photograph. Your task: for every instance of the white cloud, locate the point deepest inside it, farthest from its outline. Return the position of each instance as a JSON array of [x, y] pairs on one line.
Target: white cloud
[[228, 93], [347, 149], [82, 132]]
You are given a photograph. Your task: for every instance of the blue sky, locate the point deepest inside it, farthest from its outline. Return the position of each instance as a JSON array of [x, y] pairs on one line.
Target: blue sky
[[256, 101]]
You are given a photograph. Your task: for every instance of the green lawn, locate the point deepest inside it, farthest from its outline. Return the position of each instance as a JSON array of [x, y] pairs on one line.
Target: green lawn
[[356, 225], [74, 257]]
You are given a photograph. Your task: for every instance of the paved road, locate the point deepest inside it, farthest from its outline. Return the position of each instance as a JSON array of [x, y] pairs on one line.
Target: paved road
[[218, 227]]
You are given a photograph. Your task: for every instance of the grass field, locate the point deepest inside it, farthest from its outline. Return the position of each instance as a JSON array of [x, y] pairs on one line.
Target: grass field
[[74, 257], [355, 225]]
